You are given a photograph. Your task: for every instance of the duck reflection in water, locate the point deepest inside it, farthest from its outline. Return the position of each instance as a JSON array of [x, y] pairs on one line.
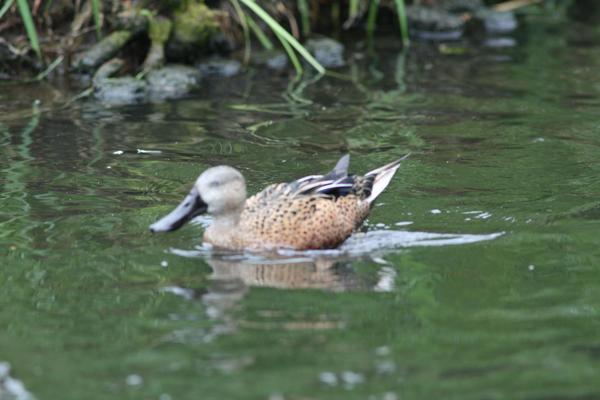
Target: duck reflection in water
[[231, 280]]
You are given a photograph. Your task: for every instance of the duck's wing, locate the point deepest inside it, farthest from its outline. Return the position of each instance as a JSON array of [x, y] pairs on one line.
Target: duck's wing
[[306, 185], [323, 184], [337, 183]]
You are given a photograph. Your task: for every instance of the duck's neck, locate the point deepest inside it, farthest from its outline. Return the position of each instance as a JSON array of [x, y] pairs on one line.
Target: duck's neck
[[223, 231], [227, 221]]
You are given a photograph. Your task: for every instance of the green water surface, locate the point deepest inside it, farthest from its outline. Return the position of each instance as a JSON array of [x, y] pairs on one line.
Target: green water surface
[[502, 301]]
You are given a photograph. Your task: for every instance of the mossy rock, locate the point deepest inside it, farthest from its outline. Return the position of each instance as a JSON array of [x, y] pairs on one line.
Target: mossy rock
[[102, 51], [193, 28], [159, 29], [172, 81], [120, 91]]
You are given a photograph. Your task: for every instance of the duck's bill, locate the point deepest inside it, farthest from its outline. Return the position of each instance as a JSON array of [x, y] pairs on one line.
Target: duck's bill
[[190, 207]]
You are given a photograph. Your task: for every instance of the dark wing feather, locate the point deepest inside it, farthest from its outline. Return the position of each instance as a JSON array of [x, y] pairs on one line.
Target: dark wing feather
[[315, 183], [336, 183]]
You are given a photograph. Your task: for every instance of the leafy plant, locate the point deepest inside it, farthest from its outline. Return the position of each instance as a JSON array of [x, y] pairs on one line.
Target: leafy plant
[[291, 46], [288, 42], [30, 29]]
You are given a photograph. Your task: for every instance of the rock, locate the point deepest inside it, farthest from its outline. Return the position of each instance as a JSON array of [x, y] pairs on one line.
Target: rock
[[108, 69], [433, 23], [169, 82], [172, 81], [120, 91], [104, 50], [462, 6], [193, 28], [272, 59], [328, 52], [132, 20], [277, 62], [220, 67], [497, 22], [117, 91]]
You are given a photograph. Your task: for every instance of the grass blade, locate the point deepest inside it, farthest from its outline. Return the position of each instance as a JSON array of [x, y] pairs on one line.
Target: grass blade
[[29, 27], [283, 34], [335, 15], [372, 18], [50, 68], [97, 20], [5, 7], [291, 55], [260, 35], [352, 9], [403, 22], [242, 17], [304, 16]]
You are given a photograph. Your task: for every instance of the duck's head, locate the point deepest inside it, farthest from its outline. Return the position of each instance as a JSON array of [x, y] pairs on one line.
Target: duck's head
[[220, 191]]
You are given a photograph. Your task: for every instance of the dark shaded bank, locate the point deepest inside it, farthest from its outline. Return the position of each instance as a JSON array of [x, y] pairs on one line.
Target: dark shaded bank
[[131, 52]]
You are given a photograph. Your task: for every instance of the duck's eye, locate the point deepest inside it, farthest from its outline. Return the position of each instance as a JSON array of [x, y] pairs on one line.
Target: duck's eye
[[215, 184]]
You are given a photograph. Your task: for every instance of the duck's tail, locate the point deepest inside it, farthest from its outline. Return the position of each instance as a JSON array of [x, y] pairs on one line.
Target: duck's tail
[[382, 177]]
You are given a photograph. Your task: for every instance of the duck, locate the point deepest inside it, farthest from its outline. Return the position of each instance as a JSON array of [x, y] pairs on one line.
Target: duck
[[310, 213]]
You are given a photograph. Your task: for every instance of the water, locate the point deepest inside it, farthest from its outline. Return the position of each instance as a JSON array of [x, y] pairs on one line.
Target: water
[[475, 277]]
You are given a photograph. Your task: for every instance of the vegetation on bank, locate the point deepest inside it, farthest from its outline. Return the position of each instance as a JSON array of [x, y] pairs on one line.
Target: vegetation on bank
[[37, 36]]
